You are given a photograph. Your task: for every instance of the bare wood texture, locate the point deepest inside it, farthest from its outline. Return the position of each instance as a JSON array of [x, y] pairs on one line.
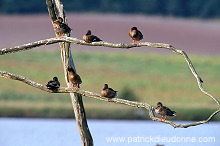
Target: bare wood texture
[[99, 97], [55, 9], [121, 46], [78, 42]]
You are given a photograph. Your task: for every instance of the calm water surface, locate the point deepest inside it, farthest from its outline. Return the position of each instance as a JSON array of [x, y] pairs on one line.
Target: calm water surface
[[55, 132]]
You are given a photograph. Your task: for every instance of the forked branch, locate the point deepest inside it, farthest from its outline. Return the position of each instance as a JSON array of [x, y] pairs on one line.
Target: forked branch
[[111, 45], [99, 97]]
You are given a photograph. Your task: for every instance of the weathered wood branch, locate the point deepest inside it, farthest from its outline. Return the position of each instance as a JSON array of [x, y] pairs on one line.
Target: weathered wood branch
[[99, 97], [107, 44], [79, 42]]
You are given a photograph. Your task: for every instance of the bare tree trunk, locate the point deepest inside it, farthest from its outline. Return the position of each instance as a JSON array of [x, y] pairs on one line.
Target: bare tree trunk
[[55, 8]]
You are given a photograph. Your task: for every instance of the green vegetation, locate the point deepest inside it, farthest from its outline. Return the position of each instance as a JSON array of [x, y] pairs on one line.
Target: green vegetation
[[136, 76], [179, 8]]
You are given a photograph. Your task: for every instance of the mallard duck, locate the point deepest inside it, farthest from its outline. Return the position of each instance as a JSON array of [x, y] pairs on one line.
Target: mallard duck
[[88, 37], [53, 84], [61, 28], [135, 35], [108, 92], [164, 111], [73, 77]]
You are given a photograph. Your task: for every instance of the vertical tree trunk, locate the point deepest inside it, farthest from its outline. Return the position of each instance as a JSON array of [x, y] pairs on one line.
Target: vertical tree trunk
[[55, 9]]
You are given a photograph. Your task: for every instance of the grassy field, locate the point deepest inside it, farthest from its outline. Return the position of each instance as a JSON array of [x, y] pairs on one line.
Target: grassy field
[[137, 76]]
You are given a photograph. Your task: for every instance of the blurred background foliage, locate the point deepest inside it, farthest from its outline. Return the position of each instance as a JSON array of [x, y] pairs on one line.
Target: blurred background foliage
[[178, 8]]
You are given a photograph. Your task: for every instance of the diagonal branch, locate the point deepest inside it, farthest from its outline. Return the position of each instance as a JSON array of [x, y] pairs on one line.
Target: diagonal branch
[[111, 45], [99, 97]]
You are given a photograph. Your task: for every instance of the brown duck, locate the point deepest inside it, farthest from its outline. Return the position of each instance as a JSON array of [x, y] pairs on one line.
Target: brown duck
[[89, 38], [53, 84], [135, 35], [74, 78], [108, 92], [164, 111], [61, 28]]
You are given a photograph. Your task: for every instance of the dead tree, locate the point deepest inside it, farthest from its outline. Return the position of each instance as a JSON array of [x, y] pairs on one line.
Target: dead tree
[[55, 9]]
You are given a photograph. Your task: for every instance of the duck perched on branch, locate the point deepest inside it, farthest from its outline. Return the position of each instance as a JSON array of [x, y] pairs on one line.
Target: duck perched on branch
[[108, 92], [135, 35], [164, 111], [74, 78], [53, 84], [61, 28], [89, 38]]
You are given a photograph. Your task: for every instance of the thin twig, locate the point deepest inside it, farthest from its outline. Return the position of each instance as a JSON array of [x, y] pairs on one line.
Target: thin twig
[[99, 97]]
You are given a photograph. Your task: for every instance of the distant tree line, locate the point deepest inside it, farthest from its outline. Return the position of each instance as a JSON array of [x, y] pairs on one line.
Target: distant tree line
[[179, 8]]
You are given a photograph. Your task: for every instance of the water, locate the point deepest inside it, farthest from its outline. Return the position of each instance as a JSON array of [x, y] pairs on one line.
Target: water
[[55, 132]]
